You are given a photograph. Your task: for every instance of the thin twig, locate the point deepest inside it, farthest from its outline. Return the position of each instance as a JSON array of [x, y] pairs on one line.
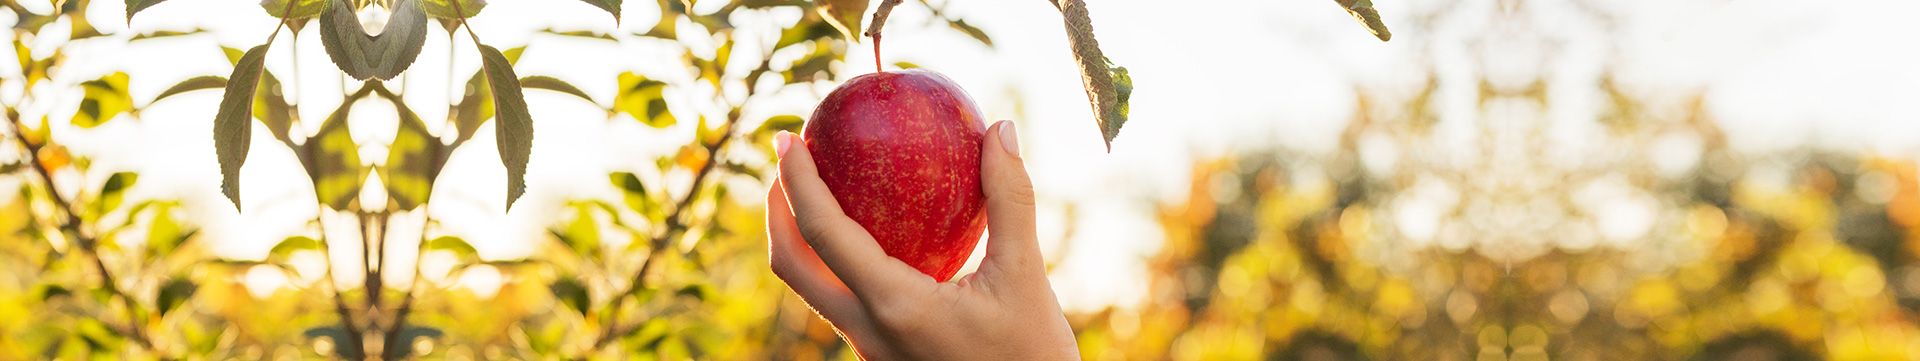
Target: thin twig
[[71, 227]]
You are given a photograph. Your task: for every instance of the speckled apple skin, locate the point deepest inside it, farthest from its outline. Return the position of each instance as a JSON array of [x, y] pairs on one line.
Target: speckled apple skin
[[901, 153]]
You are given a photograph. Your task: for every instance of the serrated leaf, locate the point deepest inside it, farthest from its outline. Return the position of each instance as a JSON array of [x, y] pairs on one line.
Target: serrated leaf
[[175, 293], [191, 84], [105, 98], [610, 6], [571, 293], [443, 9], [414, 161], [554, 84], [455, 245], [288, 246], [1363, 11], [332, 160], [1102, 79], [135, 6], [233, 125], [514, 130], [644, 100], [368, 56], [301, 9]]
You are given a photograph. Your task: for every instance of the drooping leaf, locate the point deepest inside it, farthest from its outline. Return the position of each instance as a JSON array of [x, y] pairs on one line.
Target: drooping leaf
[[514, 130], [288, 246], [644, 100], [571, 293], [1102, 79], [843, 15], [175, 293], [135, 6], [105, 98], [554, 84], [414, 161], [301, 9], [455, 245], [444, 9], [381, 56], [1363, 11], [610, 6], [332, 160], [233, 125], [192, 84]]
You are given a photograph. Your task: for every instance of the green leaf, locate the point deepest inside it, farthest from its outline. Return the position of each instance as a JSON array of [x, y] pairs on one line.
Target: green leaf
[[455, 245], [332, 160], [105, 98], [635, 193], [175, 293], [443, 9], [975, 32], [844, 15], [233, 55], [288, 246], [610, 6], [232, 126], [414, 161], [114, 191], [407, 336], [1108, 86], [271, 108], [373, 57], [583, 232], [164, 232], [476, 106], [1363, 11], [515, 127], [166, 34], [48, 292], [644, 100], [191, 84], [572, 294], [554, 84], [135, 6], [301, 8]]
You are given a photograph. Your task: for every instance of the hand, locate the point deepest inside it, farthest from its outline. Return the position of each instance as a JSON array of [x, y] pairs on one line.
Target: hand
[[886, 309]]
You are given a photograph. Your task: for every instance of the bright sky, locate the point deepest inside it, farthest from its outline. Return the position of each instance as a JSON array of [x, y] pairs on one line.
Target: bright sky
[[1211, 77]]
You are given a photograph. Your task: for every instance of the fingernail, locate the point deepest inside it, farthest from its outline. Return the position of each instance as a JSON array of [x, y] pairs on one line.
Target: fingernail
[[1009, 139], [781, 142]]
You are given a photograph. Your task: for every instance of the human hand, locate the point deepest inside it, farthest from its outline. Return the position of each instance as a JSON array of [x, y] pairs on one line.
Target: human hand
[[886, 309]]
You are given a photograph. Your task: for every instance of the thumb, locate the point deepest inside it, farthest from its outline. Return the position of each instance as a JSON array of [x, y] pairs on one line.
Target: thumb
[[1011, 239]]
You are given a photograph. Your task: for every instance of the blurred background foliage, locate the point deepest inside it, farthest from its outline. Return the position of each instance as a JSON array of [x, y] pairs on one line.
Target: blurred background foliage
[[1391, 247]]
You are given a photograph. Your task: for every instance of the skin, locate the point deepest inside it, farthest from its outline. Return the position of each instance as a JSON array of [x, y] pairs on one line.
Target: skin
[[885, 308]]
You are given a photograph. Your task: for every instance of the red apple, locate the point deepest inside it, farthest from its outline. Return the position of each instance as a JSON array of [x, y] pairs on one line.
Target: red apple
[[901, 153]]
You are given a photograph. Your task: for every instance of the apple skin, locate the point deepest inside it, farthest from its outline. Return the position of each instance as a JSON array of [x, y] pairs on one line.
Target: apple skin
[[901, 153]]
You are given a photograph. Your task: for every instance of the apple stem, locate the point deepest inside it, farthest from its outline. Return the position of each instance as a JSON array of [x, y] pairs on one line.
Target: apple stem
[[876, 54], [873, 30]]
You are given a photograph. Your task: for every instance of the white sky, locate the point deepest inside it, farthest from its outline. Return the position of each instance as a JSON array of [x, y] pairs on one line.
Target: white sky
[[1211, 77]]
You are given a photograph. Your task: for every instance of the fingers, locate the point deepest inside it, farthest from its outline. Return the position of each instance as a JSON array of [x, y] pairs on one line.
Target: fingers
[[797, 265], [800, 268], [842, 244], [1011, 239]]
